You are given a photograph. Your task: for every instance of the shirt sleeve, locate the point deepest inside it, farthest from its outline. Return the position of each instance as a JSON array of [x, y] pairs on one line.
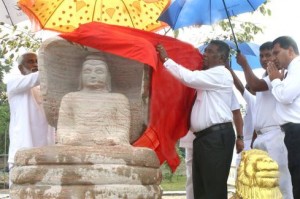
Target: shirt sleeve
[[22, 83], [210, 79], [249, 98], [268, 82], [287, 90], [235, 105]]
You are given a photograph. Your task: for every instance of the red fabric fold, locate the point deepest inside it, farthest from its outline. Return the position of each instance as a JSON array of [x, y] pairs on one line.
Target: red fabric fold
[[171, 101]]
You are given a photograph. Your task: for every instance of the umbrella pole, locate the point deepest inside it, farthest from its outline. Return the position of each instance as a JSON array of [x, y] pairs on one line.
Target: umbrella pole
[[235, 41], [7, 12]]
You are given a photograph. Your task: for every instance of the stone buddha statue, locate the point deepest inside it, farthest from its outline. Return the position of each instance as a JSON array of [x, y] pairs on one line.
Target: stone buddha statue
[[93, 157], [93, 115]]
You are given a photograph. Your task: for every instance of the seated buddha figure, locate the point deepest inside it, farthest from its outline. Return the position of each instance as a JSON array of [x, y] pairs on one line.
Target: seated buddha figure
[[94, 115]]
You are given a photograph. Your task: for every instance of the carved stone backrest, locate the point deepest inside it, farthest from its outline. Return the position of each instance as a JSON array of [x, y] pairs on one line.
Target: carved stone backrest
[[60, 64]]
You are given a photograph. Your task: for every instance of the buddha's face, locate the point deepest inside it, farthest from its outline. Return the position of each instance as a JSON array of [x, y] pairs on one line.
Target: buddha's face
[[94, 74]]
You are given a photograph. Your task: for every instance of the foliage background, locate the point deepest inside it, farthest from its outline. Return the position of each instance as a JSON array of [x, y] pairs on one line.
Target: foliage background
[[4, 120]]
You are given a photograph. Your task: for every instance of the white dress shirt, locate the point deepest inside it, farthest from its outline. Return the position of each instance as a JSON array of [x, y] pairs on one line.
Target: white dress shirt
[[214, 92], [264, 108], [187, 140], [249, 118], [287, 94], [28, 125]]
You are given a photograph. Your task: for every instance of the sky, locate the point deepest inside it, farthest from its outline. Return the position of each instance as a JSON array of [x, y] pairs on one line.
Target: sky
[[283, 21]]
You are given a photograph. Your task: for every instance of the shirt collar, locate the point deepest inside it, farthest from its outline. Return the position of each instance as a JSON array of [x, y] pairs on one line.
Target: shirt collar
[[293, 63]]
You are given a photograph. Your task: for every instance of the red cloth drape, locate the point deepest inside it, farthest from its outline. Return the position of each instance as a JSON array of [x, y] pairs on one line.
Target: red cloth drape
[[171, 101]]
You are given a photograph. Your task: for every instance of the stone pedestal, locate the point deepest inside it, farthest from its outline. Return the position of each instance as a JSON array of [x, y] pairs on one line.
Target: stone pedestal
[[86, 172]]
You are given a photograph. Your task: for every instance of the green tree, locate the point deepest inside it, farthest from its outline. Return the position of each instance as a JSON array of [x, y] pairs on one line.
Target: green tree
[[246, 31], [12, 40], [4, 120]]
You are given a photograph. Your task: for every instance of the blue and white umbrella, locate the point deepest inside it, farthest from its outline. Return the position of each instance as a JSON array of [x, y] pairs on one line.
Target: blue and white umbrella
[[182, 13], [250, 50]]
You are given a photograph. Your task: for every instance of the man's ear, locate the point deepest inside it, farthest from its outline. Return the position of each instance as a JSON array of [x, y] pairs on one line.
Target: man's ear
[[224, 59], [291, 50]]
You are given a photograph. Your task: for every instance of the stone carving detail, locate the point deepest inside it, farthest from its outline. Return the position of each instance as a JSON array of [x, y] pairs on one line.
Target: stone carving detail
[[102, 101]]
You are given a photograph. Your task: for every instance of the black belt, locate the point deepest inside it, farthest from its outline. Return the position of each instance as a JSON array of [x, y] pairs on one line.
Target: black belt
[[286, 126], [216, 127]]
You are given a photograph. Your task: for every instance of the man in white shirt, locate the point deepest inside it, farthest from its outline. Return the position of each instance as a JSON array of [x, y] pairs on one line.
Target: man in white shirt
[[248, 127], [286, 90], [249, 96], [186, 142], [28, 124], [211, 119], [270, 137]]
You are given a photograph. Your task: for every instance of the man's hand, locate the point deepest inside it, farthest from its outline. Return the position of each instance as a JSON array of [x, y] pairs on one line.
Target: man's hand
[[162, 53], [239, 145], [241, 59], [273, 72]]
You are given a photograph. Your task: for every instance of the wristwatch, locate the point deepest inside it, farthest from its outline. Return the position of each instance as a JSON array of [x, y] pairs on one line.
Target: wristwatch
[[240, 137]]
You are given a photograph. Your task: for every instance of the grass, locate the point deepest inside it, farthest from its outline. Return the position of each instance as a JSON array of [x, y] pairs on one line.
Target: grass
[[173, 182]]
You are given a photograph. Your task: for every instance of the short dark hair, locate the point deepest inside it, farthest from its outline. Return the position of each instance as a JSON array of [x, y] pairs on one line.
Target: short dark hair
[[285, 42], [266, 46], [223, 48]]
